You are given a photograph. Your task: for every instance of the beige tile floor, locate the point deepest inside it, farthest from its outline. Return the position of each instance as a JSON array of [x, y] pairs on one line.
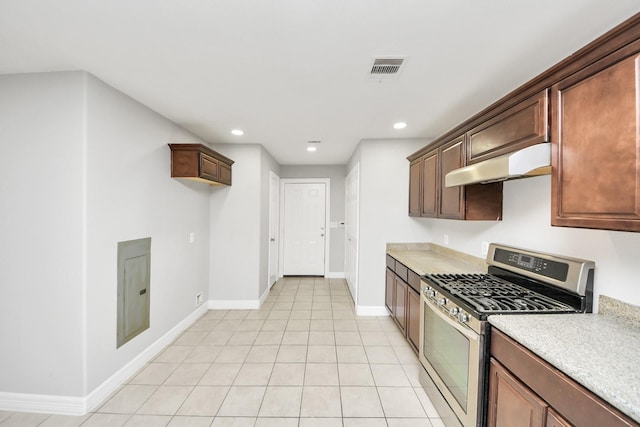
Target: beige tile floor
[[303, 359]]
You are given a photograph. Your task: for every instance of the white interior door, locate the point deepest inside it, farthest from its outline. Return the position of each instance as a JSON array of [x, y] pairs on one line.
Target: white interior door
[[274, 227], [304, 229], [352, 204]]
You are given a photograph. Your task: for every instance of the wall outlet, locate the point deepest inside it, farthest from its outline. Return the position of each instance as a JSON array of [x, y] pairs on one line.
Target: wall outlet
[[192, 237], [198, 299], [485, 248], [446, 239]]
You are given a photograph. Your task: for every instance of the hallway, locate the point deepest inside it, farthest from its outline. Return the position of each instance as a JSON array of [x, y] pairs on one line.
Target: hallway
[[303, 359]]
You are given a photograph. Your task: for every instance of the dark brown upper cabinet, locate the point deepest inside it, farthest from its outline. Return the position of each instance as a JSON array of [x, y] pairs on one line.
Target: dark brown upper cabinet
[[424, 186], [451, 198], [200, 163], [587, 107], [523, 125], [429, 198], [596, 151]]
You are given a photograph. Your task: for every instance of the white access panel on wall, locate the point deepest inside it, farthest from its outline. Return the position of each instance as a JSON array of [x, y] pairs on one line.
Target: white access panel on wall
[[134, 280]]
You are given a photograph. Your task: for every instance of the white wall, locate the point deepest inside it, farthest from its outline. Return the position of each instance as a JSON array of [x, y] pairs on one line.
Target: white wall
[[41, 233], [84, 166], [526, 223], [240, 227], [384, 199], [131, 195], [337, 175], [267, 165]]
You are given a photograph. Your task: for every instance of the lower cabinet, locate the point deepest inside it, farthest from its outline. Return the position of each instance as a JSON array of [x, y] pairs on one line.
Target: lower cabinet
[[511, 403], [413, 318], [403, 300], [526, 391], [389, 290], [400, 303]]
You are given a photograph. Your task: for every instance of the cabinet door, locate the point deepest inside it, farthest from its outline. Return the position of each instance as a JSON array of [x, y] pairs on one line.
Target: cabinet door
[[555, 420], [430, 185], [415, 189], [511, 403], [596, 152], [524, 124], [389, 290], [208, 167], [224, 175], [451, 199], [400, 303], [413, 318]]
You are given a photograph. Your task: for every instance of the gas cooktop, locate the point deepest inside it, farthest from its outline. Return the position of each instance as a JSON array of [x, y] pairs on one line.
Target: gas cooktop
[[486, 293]]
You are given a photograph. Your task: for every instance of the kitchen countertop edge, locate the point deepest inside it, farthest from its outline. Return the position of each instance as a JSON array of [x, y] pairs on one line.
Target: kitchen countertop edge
[[424, 258], [578, 343]]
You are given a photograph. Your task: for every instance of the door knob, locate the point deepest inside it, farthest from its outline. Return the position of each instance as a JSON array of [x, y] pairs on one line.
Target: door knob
[[272, 239], [322, 235]]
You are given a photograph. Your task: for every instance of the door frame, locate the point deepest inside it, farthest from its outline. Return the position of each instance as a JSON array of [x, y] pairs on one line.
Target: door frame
[[327, 209], [354, 172], [278, 269]]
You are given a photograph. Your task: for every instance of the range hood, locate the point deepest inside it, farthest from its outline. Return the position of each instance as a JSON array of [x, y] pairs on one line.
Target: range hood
[[530, 161]]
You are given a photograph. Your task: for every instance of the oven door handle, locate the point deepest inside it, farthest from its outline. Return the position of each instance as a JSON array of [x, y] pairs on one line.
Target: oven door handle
[[457, 326]]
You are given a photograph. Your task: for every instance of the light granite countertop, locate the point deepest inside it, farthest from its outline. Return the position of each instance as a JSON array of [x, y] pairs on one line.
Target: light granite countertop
[[425, 258], [600, 352]]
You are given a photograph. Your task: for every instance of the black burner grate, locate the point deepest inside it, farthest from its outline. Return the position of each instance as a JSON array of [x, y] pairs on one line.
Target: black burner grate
[[489, 294]]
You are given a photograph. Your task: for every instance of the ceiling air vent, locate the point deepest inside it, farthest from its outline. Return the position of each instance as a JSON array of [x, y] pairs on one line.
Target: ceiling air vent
[[386, 68]]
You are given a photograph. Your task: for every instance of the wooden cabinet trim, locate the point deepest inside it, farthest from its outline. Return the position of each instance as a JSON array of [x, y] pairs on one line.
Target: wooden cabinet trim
[[617, 38], [389, 290], [400, 303], [572, 401], [391, 262], [415, 188], [413, 319], [402, 271], [520, 126], [414, 281], [511, 403], [430, 185], [609, 199], [452, 157], [200, 163]]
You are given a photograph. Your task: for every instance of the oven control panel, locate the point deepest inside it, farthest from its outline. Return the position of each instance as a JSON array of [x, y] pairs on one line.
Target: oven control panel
[[544, 267]]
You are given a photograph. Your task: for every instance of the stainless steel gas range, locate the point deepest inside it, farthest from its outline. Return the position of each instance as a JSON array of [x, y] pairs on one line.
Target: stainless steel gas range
[[454, 335]]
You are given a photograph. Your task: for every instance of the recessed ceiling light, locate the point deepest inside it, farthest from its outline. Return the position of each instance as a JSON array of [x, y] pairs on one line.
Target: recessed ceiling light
[[399, 125], [313, 145], [237, 132]]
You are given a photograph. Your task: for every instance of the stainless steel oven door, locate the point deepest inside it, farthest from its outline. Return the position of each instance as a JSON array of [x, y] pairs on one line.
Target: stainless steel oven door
[[451, 354]]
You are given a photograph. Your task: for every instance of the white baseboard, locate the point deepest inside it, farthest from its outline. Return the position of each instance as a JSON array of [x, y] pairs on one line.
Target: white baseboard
[[235, 304], [335, 275], [43, 403], [371, 310], [67, 405]]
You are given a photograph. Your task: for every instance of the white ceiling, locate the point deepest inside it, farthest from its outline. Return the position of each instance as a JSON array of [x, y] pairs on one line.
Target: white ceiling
[[290, 71]]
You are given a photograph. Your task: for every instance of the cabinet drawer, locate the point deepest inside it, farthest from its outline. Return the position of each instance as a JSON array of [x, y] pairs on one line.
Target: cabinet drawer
[[414, 281], [402, 271], [391, 262]]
